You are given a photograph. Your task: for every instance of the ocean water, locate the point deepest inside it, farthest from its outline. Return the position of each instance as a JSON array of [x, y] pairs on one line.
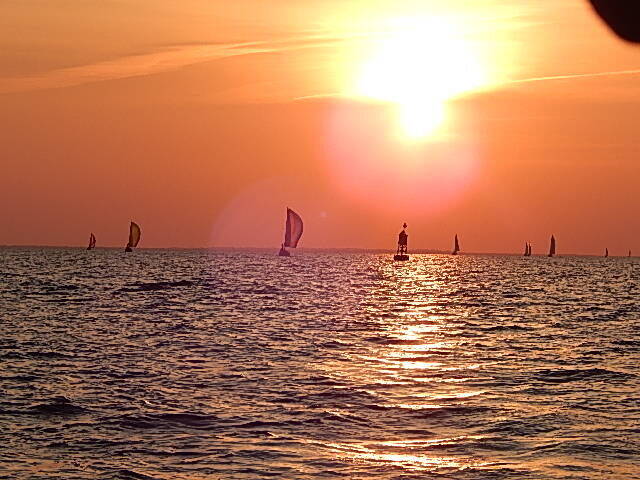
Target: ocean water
[[195, 364]]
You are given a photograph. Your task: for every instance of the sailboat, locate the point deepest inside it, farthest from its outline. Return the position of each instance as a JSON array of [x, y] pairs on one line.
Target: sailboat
[[134, 237], [292, 234], [92, 242], [527, 249], [456, 246], [401, 252], [529, 253], [552, 247], [606, 252], [629, 252]]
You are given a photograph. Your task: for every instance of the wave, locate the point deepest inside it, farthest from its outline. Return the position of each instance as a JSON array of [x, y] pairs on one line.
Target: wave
[[22, 355], [44, 288], [57, 406], [577, 374], [255, 424], [500, 328], [529, 426], [394, 341], [431, 410], [154, 286], [162, 420], [126, 474]]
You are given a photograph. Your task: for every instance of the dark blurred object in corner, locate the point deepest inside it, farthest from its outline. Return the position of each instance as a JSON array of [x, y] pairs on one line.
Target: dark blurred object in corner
[[623, 16]]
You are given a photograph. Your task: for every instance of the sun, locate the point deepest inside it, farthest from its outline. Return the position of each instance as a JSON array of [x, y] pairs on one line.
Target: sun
[[419, 65]]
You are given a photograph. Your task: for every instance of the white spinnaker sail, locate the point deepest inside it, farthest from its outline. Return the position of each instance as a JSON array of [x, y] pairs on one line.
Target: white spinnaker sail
[[134, 235], [293, 230]]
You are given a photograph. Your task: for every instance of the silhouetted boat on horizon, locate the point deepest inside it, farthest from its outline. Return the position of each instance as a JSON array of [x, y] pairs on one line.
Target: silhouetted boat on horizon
[[527, 249], [401, 252], [456, 246], [92, 242], [552, 246], [134, 237], [606, 252], [292, 233]]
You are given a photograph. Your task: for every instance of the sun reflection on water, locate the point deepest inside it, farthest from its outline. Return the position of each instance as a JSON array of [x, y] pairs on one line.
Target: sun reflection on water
[[415, 348], [384, 452]]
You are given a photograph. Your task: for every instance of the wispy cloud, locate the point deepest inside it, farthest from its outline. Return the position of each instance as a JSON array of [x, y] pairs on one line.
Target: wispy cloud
[[577, 76], [171, 58], [549, 78], [178, 56]]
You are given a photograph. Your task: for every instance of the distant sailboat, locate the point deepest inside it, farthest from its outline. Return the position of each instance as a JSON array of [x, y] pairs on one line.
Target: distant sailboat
[[552, 247], [92, 242], [292, 234], [456, 246], [529, 254], [629, 252], [134, 237], [606, 252], [401, 252], [527, 249]]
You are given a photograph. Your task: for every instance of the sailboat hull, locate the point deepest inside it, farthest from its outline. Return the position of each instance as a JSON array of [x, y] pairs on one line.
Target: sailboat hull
[[128, 249], [283, 253], [401, 258]]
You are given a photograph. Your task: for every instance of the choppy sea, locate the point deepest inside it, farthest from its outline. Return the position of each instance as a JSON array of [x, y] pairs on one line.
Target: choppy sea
[[196, 364]]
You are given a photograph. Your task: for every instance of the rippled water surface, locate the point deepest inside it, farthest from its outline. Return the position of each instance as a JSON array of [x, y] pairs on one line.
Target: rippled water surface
[[193, 365]]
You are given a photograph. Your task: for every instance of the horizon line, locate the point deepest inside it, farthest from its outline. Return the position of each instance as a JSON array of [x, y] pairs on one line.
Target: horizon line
[[418, 251]]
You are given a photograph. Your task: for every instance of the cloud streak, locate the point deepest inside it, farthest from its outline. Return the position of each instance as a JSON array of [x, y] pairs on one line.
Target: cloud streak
[[577, 76], [176, 57], [574, 76], [170, 59]]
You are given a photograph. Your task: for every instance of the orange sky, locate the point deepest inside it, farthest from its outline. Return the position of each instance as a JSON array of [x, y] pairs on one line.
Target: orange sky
[[202, 120]]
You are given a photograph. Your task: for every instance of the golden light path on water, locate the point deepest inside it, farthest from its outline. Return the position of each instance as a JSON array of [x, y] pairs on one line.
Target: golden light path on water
[[420, 349], [191, 364]]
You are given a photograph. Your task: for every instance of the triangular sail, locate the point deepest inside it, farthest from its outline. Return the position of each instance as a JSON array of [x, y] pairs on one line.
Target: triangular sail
[[552, 247], [606, 252], [92, 242], [456, 246], [293, 230], [134, 235]]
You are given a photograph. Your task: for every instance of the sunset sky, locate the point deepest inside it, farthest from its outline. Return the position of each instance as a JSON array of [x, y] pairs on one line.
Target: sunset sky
[[202, 120]]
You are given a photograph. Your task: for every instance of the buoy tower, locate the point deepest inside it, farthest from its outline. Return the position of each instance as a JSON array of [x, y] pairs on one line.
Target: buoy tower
[[401, 253]]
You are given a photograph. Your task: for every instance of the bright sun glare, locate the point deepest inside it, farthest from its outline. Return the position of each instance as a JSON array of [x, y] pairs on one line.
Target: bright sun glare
[[418, 66]]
